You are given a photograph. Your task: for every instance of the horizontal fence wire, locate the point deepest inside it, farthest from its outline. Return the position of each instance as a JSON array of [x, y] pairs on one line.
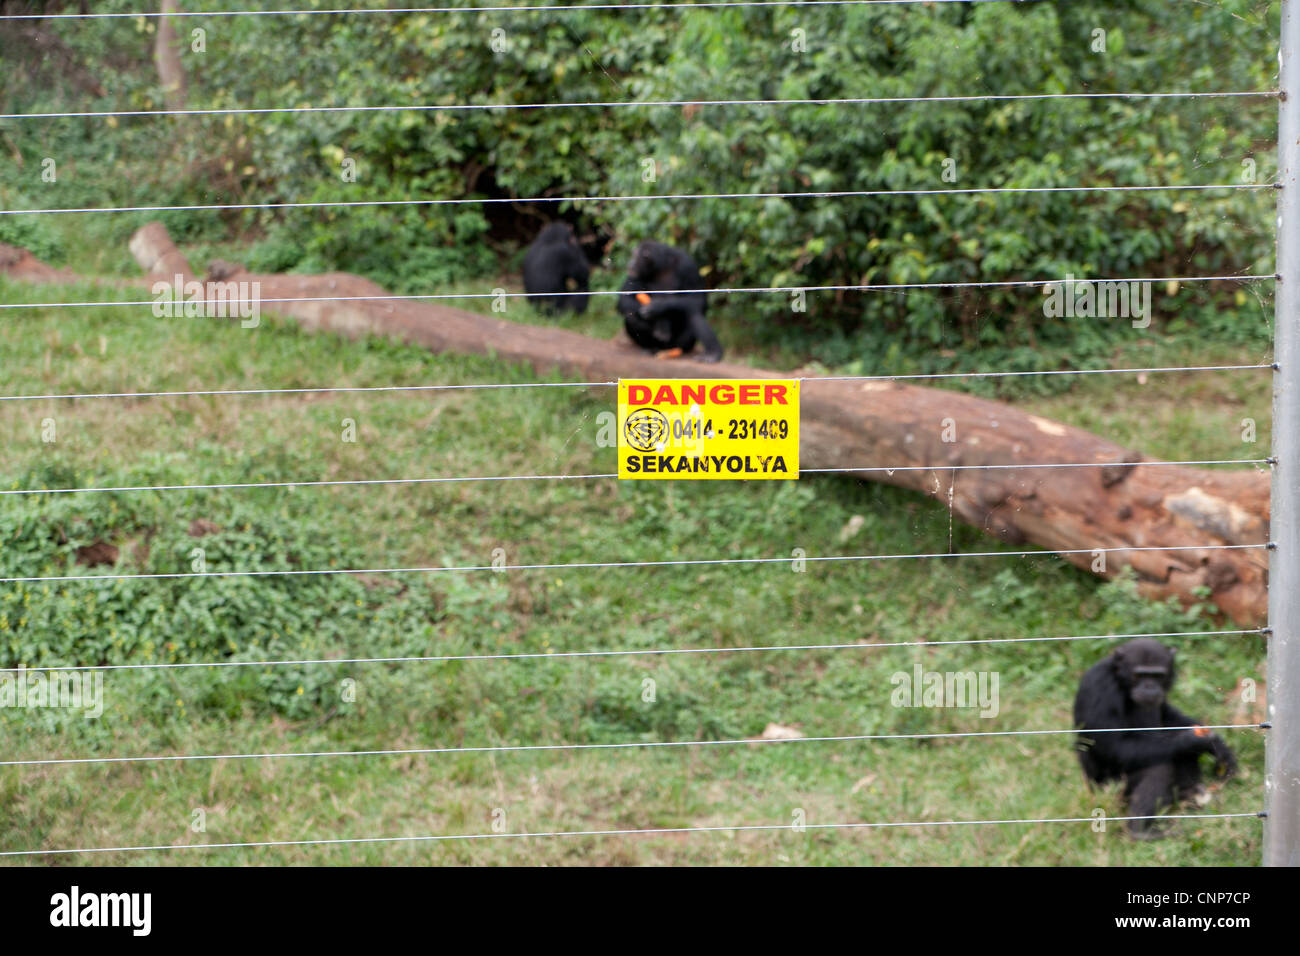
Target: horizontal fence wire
[[627, 745], [891, 469], [244, 299], [645, 197], [635, 652], [1032, 372], [516, 8], [629, 104], [331, 389], [851, 469], [686, 562], [326, 389], [734, 828]]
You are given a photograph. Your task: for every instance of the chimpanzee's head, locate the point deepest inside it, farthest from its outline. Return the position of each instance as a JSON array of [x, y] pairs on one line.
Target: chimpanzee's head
[[557, 232], [1145, 670], [650, 260]]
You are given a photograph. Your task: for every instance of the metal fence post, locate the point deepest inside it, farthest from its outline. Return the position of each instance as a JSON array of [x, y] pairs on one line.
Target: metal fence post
[[1282, 827]]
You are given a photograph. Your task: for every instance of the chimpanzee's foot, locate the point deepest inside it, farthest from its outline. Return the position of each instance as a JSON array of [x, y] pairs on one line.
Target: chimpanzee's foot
[[1148, 830]]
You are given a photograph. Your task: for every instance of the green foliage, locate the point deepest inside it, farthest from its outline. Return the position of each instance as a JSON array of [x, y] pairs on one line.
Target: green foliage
[[35, 234], [996, 48], [1126, 610], [1116, 606], [211, 618], [511, 156]]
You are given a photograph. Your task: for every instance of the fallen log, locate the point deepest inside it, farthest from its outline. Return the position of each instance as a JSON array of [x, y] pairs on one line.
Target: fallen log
[[878, 425]]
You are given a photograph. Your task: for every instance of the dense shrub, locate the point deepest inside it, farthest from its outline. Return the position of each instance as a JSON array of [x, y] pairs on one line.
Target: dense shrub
[[785, 53]]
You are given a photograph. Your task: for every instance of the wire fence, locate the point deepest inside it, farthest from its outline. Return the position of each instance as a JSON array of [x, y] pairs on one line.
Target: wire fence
[[630, 745], [656, 831], [584, 565], [636, 652], [576, 201], [669, 197], [629, 104], [503, 9]]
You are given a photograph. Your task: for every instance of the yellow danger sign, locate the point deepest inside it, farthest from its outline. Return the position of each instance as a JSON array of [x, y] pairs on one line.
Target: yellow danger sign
[[708, 428]]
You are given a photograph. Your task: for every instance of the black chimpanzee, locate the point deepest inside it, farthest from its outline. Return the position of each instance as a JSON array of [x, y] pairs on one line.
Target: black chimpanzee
[[1129, 689], [555, 264], [657, 315]]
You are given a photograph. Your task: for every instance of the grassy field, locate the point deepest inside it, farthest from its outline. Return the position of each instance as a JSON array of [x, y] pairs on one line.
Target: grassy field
[[590, 700]]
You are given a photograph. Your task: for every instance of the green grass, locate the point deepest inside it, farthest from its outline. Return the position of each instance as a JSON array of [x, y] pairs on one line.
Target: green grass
[[588, 700]]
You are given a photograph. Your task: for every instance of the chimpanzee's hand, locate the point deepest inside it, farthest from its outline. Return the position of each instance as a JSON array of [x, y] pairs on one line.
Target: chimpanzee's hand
[[1225, 760], [644, 300]]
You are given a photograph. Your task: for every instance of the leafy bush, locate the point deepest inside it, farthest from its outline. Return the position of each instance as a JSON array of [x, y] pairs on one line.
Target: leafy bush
[[206, 619], [34, 235], [475, 60]]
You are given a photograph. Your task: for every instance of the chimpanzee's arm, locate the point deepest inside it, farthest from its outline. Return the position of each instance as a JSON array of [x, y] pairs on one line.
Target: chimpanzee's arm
[[1211, 743], [628, 306], [1134, 750], [661, 302]]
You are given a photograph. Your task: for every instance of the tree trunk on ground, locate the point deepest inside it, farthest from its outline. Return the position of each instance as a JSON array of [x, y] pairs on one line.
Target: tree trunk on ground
[[885, 425]]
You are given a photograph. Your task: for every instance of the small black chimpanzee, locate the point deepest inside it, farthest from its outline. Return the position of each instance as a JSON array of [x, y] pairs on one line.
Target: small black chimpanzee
[[1129, 689], [554, 264], [658, 316]]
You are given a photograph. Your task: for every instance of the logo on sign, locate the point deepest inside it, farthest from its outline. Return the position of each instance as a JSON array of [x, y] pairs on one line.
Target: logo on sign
[[646, 429]]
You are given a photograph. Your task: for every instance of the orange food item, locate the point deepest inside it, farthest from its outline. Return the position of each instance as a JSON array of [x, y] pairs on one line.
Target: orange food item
[[1201, 731], [643, 298]]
